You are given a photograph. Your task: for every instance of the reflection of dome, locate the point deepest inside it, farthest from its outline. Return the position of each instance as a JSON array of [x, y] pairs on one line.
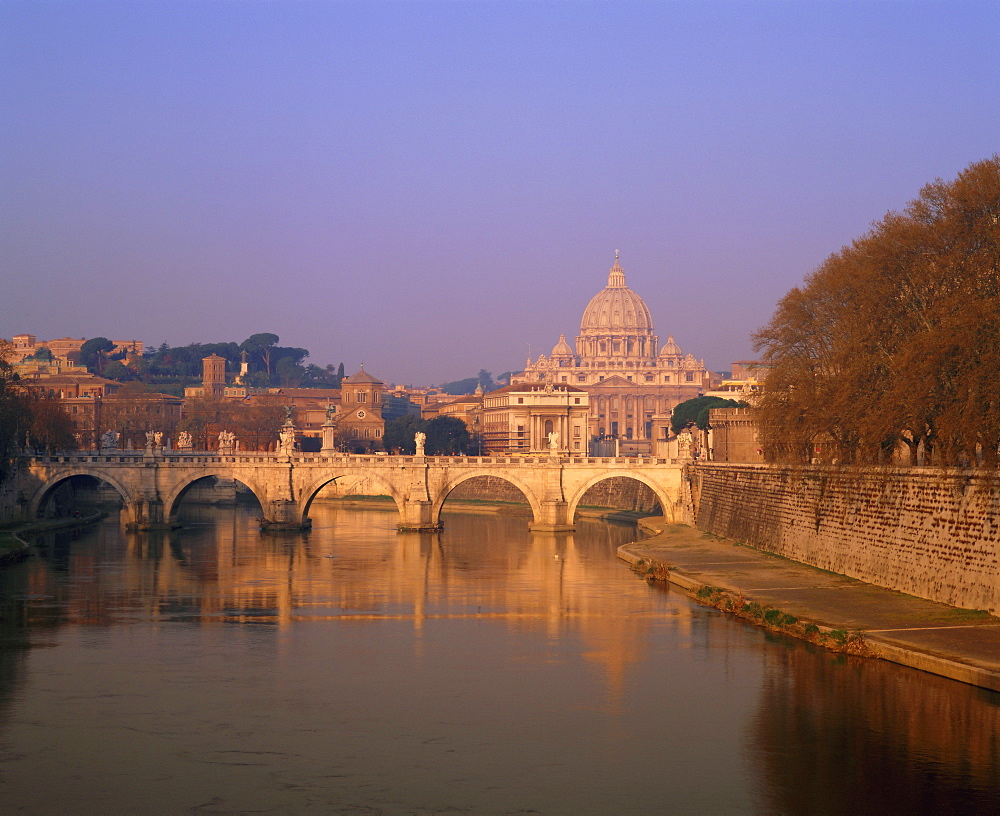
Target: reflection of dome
[[562, 348], [616, 309], [670, 348]]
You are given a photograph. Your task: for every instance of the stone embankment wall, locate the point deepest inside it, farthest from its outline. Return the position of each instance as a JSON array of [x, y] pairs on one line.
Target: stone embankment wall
[[930, 533]]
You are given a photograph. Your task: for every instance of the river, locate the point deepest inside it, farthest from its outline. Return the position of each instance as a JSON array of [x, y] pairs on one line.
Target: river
[[482, 670]]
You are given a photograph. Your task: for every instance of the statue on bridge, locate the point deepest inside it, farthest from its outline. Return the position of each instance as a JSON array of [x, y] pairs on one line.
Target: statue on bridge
[[685, 445], [286, 439], [109, 440], [420, 438], [184, 440], [553, 441], [227, 441]]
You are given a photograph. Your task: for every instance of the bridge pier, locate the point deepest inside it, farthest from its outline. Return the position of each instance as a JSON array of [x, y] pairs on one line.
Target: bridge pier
[[147, 514], [552, 517], [283, 515], [418, 515]]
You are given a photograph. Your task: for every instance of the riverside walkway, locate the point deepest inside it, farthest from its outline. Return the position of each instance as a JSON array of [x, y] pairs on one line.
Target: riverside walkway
[[960, 644]]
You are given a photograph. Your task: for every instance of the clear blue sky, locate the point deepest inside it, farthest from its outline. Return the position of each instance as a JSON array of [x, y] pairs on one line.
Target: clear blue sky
[[430, 188]]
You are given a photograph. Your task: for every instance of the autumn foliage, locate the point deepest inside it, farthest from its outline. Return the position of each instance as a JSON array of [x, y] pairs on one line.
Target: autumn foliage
[[893, 344]]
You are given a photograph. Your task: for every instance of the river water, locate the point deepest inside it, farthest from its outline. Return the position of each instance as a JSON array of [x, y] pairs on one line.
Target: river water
[[483, 670]]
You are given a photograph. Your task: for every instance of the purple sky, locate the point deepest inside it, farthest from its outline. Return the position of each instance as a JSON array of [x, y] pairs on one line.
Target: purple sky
[[429, 188]]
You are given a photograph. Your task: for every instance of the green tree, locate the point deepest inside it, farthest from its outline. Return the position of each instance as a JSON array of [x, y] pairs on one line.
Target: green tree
[[317, 377], [290, 373], [260, 346], [696, 411], [447, 436], [288, 364], [399, 433], [94, 354], [117, 370]]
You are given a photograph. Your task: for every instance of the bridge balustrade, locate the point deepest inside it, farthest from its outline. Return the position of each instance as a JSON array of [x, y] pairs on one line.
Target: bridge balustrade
[[262, 457]]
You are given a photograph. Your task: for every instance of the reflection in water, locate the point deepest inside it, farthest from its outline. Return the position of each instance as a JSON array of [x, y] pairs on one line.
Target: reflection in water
[[912, 742], [484, 668]]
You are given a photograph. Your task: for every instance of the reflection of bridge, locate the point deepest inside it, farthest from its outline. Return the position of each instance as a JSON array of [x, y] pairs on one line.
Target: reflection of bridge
[[152, 484]]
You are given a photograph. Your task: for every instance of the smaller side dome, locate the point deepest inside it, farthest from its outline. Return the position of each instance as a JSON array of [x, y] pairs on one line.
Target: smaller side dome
[[562, 348], [670, 348]]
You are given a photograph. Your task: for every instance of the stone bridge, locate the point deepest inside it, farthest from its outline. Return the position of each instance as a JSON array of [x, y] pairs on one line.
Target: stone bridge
[[153, 483]]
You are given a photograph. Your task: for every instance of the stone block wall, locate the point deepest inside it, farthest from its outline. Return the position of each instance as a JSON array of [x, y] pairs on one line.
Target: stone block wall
[[930, 533]]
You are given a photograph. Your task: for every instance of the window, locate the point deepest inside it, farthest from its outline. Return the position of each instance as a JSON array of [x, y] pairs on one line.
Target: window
[[576, 400], [576, 431], [689, 376], [520, 401], [362, 396], [581, 378], [666, 378], [649, 378]]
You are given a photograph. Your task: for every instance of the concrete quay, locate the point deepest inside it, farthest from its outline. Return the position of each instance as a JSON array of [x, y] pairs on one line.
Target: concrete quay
[[960, 644]]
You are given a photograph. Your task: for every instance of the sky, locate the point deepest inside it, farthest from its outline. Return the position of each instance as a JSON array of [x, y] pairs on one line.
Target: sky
[[432, 188]]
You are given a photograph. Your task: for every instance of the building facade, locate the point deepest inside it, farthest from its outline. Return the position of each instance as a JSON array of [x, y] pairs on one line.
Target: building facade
[[632, 381], [535, 418]]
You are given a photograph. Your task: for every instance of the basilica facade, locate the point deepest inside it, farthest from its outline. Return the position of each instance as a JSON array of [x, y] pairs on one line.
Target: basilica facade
[[633, 382]]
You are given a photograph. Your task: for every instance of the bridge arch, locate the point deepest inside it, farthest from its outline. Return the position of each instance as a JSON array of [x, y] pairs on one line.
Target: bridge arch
[[442, 496], [38, 498], [667, 503], [312, 490], [176, 493]]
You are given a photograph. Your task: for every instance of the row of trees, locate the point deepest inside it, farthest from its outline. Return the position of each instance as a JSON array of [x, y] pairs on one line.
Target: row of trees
[[268, 363], [446, 436], [894, 342], [255, 426], [483, 379]]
